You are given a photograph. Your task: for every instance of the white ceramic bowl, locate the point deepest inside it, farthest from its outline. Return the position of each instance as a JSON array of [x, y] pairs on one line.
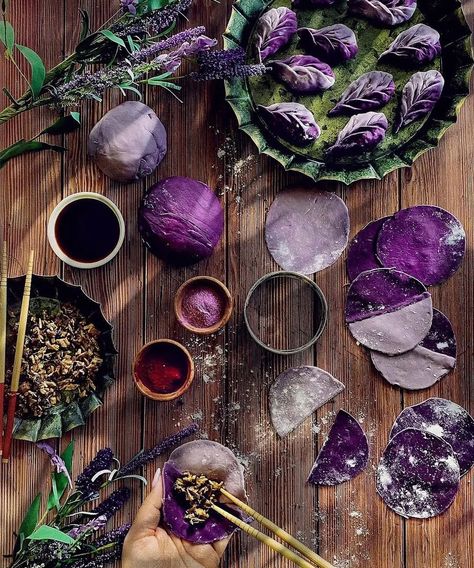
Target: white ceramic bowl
[[52, 229]]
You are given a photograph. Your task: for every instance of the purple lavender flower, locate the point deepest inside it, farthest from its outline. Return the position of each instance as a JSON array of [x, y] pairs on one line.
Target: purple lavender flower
[[94, 524], [56, 460], [112, 504], [225, 65], [84, 483], [115, 536], [149, 455], [155, 22], [129, 6]]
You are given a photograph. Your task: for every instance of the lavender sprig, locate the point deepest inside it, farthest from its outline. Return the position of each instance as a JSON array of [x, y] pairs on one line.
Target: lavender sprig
[[55, 459], [225, 64], [112, 504], [153, 23], [99, 560], [129, 6], [93, 525], [149, 455], [84, 483]]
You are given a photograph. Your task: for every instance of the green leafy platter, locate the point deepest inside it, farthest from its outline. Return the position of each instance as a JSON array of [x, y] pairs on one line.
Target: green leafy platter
[[49, 292], [397, 150]]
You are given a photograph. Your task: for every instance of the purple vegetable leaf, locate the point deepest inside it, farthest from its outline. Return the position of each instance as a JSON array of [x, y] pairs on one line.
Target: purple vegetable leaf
[[334, 44], [292, 122], [362, 133], [303, 74], [370, 91], [274, 29], [383, 12], [312, 3], [419, 96], [417, 45]]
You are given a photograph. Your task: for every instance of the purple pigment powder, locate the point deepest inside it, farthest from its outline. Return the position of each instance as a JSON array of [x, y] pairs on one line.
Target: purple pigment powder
[[203, 305]]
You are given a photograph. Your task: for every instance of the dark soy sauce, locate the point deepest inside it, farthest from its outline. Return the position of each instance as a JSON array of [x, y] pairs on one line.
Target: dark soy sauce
[[87, 230]]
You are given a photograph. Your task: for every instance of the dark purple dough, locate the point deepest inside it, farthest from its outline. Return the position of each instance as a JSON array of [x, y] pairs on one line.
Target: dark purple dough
[[418, 475], [344, 454], [424, 241], [445, 419], [424, 365], [388, 310], [362, 250]]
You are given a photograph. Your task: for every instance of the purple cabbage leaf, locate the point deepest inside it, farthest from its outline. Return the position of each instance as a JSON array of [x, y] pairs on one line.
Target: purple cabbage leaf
[[417, 45], [370, 91], [292, 122], [334, 44], [383, 12], [362, 133], [303, 74], [419, 96], [274, 29], [312, 3]]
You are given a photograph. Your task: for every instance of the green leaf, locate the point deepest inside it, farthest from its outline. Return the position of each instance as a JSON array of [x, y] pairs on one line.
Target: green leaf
[[133, 46], [158, 4], [159, 83], [7, 35], [24, 147], [113, 38], [30, 521], [44, 532], [124, 88], [60, 481], [38, 70], [64, 125], [85, 24]]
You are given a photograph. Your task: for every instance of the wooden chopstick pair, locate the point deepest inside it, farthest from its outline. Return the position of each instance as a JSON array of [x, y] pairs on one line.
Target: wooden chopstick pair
[[20, 343], [309, 560]]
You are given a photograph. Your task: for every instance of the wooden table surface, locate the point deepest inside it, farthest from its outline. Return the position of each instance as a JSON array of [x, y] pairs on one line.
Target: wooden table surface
[[349, 524]]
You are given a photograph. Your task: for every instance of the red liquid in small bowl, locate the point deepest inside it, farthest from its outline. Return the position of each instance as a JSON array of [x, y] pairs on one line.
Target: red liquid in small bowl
[[163, 368]]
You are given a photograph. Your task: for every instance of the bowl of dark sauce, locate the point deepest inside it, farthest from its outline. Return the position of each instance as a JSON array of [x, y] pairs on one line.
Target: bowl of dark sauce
[[86, 230]]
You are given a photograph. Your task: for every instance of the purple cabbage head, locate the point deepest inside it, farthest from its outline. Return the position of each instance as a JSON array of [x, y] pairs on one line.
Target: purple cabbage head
[[370, 91], [181, 220], [417, 46], [334, 44], [362, 133], [383, 12], [292, 122], [303, 74], [274, 29]]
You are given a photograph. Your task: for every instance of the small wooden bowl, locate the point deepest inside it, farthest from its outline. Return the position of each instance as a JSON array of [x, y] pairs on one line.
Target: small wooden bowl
[[157, 395], [178, 302]]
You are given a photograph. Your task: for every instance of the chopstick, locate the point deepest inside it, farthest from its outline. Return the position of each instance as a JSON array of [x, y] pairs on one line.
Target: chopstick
[[20, 343], [3, 335], [279, 532], [268, 540]]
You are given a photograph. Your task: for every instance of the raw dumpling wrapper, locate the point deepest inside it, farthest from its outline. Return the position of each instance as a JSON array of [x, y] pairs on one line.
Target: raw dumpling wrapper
[[215, 462], [297, 393], [344, 454], [362, 250]]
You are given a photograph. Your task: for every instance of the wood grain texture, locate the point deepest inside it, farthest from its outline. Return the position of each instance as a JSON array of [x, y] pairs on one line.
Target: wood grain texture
[[349, 525]]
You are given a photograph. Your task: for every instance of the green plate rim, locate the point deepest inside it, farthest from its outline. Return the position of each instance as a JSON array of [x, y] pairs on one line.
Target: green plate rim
[[457, 46]]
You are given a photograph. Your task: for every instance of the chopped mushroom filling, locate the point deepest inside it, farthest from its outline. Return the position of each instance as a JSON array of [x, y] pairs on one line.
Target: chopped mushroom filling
[[200, 492]]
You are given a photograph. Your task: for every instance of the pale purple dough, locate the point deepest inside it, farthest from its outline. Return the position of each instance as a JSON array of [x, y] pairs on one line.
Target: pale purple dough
[[297, 393], [445, 419], [388, 310], [361, 255], [418, 475], [424, 365], [424, 241], [307, 230], [215, 462], [344, 454]]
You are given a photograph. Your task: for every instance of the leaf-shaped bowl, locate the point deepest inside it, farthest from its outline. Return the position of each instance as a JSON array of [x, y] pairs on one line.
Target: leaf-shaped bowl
[[63, 418], [397, 150]]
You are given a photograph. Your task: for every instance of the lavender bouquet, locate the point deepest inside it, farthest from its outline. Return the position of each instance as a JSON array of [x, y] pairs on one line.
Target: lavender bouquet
[[70, 531], [135, 48]]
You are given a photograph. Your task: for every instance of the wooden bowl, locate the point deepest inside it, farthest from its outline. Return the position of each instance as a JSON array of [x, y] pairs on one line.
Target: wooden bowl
[[144, 389], [178, 303]]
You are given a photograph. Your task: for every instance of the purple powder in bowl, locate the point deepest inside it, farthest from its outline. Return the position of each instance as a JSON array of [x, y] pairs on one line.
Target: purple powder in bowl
[[202, 304]]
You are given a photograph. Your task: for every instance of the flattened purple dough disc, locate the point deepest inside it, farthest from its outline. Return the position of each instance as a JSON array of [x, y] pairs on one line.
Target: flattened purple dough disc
[[214, 461], [418, 475], [445, 419], [362, 250], [424, 365], [344, 454], [425, 241], [307, 230], [297, 393], [388, 311]]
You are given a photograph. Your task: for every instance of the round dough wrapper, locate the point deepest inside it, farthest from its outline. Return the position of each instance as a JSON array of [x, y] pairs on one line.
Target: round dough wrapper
[[215, 462], [361, 255], [388, 311], [344, 454], [424, 365], [306, 229], [297, 393], [418, 475], [445, 419], [425, 241]]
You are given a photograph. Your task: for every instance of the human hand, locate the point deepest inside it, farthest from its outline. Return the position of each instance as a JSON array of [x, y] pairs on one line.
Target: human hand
[[149, 546]]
